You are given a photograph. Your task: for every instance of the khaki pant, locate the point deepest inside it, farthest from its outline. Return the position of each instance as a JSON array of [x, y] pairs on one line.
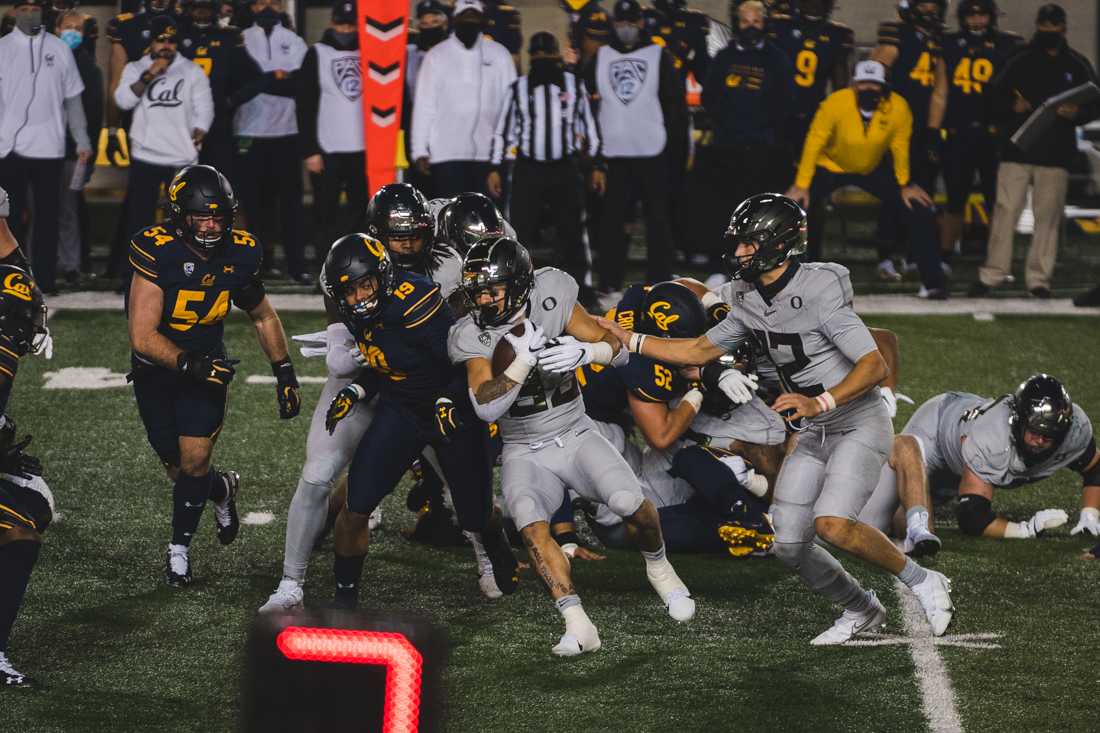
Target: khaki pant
[[1048, 198]]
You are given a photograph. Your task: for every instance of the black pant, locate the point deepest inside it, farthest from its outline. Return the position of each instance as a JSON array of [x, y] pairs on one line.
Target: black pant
[[217, 151], [724, 177], [269, 173], [43, 176], [558, 185], [142, 193], [647, 176], [919, 221], [966, 152], [343, 172], [459, 176], [892, 216]]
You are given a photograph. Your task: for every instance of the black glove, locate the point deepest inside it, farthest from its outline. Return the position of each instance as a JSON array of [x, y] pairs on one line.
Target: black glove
[[17, 463], [446, 418], [115, 155], [287, 390], [207, 368], [341, 405]]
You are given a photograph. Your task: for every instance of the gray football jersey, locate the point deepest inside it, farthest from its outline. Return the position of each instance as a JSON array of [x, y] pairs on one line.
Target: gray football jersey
[[447, 272], [974, 432], [807, 325], [548, 404]]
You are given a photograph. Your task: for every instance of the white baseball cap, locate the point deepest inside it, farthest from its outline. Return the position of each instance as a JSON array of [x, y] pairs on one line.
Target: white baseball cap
[[463, 5], [870, 71]]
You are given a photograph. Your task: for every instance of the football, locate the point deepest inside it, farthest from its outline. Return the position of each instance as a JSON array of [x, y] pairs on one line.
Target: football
[[504, 354]]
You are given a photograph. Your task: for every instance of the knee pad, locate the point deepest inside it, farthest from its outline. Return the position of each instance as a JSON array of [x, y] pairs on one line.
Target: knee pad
[[625, 503], [791, 554], [975, 513]]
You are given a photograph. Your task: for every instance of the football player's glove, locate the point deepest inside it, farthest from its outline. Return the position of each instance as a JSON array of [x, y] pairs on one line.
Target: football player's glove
[[5, 204], [446, 418], [1089, 522], [565, 353], [528, 344], [286, 389], [342, 405], [17, 463], [207, 368], [734, 384]]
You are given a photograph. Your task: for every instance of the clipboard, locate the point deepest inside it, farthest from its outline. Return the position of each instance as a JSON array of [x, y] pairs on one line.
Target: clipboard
[[1043, 118]]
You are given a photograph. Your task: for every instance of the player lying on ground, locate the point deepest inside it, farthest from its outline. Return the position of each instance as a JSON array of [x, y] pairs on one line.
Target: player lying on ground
[[527, 385], [401, 322], [969, 446], [186, 272], [829, 366]]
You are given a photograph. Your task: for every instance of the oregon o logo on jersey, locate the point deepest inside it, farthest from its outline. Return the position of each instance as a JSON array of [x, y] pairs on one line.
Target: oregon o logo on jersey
[[627, 78], [347, 76], [658, 311]]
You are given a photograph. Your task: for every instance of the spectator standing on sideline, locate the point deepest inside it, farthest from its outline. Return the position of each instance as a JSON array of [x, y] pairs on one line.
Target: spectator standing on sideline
[[330, 121], [749, 94], [172, 106], [504, 25], [40, 95], [638, 101], [432, 26], [546, 119], [1047, 67], [972, 57], [460, 89], [70, 29], [266, 130], [847, 144]]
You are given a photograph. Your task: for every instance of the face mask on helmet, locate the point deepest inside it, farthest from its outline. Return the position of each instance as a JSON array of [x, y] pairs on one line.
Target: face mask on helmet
[[496, 281], [362, 300], [22, 312], [207, 231], [488, 301], [1042, 414]]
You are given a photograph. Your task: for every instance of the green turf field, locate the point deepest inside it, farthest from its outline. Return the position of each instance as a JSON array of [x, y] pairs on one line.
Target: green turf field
[[116, 650]]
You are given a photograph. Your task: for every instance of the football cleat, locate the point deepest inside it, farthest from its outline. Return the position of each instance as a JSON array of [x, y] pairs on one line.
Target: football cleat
[[286, 598], [851, 623], [375, 519], [505, 567], [578, 641], [934, 594], [674, 594], [921, 543], [744, 541], [10, 676], [177, 568], [226, 520], [488, 585]]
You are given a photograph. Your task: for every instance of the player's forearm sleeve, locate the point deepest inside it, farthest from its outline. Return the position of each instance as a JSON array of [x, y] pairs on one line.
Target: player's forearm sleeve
[[494, 409], [77, 122]]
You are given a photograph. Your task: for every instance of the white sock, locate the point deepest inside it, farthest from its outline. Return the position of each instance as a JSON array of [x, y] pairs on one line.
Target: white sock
[[916, 519], [177, 549]]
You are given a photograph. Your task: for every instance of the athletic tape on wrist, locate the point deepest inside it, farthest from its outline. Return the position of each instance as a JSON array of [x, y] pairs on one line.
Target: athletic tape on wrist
[[518, 370], [826, 402]]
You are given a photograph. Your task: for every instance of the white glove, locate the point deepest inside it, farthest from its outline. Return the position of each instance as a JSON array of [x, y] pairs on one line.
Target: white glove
[[565, 353], [1045, 519], [528, 344], [739, 387], [1089, 522], [5, 204], [317, 339], [43, 343], [890, 401]]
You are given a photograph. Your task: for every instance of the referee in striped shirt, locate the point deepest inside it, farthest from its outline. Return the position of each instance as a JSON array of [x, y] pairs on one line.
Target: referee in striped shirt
[[545, 126]]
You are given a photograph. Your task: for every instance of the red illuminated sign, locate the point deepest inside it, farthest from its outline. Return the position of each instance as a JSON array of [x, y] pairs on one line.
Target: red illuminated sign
[[404, 664]]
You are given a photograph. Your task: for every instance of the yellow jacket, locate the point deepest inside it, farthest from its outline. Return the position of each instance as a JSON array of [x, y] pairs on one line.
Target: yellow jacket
[[838, 141]]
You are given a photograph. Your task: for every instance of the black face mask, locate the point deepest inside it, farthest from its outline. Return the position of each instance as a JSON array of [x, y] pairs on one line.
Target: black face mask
[[546, 71], [750, 37], [1048, 40], [429, 37], [868, 99], [345, 39], [267, 19], [467, 33]]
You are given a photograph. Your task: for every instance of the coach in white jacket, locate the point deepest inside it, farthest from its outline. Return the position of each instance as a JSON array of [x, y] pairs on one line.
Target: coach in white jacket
[[460, 90], [173, 109]]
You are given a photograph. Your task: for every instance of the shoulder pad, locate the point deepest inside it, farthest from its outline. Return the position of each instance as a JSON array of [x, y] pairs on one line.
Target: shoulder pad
[[466, 341], [147, 250], [415, 300], [649, 380], [832, 284]]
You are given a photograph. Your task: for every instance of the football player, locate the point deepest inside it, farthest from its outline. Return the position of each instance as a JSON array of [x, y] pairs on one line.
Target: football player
[[972, 56], [466, 218], [26, 504], [186, 273], [549, 442], [683, 32], [829, 367], [820, 50], [970, 445], [400, 322]]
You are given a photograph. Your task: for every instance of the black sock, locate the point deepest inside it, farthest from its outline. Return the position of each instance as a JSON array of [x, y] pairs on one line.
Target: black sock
[[16, 562], [348, 571], [189, 497], [218, 488]]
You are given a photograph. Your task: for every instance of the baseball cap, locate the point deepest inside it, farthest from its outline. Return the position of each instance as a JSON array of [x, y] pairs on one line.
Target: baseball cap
[[428, 7], [463, 6], [343, 11], [870, 71], [1052, 13], [627, 10], [163, 28]]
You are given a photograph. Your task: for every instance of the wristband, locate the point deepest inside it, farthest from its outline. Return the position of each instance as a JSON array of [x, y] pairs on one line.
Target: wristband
[[602, 353], [567, 538], [694, 398], [360, 393], [517, 371], [709, 299], [634, 345], [277, 367], [826, 402]]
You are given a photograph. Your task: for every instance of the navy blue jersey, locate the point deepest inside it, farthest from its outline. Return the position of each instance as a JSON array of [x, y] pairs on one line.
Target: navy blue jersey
[[197, 292], [131, 31], [9, 359], [913, 74], [684, 34], [213, 49], [406, 347], [971, 64], [815, 50], [503, 25]]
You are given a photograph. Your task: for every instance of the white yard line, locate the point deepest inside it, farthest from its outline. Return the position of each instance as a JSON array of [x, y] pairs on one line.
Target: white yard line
[[865, 305], [937, 695]]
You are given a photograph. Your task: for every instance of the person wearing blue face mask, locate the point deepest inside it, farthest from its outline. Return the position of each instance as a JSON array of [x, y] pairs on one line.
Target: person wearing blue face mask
[[72, 246]]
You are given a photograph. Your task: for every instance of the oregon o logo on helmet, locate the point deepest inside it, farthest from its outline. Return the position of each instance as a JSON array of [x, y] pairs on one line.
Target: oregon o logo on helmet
[[796, 302], [15, 285], [549, 304], [658, 311]]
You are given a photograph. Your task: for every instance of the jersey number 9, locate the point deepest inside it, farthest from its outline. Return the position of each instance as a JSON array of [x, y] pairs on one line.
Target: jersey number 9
[[806, 63]]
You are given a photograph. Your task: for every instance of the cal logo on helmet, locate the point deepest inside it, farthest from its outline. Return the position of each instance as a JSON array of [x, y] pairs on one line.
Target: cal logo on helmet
[[175, 188], [17, 285], [660, 312], [374, 247]]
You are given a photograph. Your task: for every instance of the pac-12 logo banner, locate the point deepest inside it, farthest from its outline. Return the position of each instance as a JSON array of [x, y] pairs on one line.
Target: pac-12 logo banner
[[347, 74], [627, 78], [383, 27]]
